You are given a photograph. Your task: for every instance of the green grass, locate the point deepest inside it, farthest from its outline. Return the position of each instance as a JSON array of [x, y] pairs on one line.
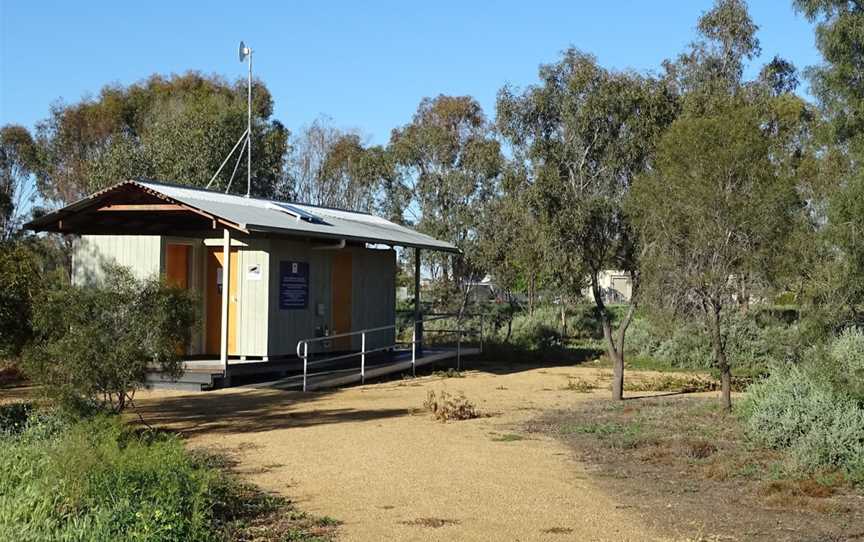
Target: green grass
[[98, 479]]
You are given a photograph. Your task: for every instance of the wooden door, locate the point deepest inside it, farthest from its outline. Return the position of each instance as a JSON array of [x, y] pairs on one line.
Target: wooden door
[[341, 292], [177, 265], [215, 262]]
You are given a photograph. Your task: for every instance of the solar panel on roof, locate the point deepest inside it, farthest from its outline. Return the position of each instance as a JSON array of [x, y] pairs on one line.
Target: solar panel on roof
[[297, 212]]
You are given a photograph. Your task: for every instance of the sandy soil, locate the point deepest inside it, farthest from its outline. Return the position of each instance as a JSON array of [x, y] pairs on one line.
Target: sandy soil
[[372, 458]]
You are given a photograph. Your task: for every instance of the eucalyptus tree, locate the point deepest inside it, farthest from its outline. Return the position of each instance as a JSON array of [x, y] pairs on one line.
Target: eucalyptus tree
[[177, 129], [585, 133], [836, 83], [714, 207], [17, 192], [333, 167], [717, 211], [512, 247], [449, 162]]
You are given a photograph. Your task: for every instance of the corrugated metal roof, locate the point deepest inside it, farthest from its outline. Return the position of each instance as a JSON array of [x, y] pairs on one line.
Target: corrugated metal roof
[[262, 215]]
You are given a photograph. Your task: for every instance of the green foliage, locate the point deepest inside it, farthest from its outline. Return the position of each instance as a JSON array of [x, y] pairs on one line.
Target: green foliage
[[846, 359], [333, 168], [95, 344], [17, 160], [796, 410], [450, 161], [755, 341], [26, 268], [98, 479], [177, 129], [95, 480]]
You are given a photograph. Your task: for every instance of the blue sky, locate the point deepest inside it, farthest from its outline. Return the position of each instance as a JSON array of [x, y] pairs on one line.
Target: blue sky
[[364, 64]]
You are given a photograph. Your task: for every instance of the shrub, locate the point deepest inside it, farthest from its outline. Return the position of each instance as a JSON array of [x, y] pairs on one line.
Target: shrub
[[25, 268], [797, 410], [754, 342], [96, 344], [94, 480], [579, 385], [847, 362], [445, 407]]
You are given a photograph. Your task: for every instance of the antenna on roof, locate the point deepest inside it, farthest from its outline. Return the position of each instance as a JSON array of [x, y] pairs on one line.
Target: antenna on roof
[[246, 52], [246, 138]]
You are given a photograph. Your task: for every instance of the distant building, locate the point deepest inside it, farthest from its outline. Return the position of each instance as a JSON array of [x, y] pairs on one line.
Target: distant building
[[616, 286]]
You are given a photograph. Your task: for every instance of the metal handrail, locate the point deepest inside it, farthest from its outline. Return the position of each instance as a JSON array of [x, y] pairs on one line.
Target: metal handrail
[[304, 343]]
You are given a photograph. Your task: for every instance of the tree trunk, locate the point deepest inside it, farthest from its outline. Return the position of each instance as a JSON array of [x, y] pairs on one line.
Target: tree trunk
[[563, 320], [615, 345], [743, 295], [615, 355], [720, 355]]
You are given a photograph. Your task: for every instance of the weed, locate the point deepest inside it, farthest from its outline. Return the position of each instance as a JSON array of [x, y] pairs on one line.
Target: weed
[[445, 407], [432, 523], [671, 383], [507, 437], [449, 373], [557, 530], [579, 385], [699, 449]]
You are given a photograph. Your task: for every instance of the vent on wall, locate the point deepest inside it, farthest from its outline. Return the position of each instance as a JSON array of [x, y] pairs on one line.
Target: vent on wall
[[297, 213]]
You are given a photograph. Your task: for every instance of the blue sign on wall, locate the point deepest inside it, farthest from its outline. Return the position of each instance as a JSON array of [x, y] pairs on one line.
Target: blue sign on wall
[[293, 285]]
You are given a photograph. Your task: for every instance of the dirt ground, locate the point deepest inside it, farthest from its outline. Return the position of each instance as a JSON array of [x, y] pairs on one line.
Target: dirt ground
[[370, 457], [697, 473]]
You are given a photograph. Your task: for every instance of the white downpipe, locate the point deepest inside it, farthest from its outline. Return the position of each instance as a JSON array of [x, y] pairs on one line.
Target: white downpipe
[[305, 363], [414, 350], [363, 358]]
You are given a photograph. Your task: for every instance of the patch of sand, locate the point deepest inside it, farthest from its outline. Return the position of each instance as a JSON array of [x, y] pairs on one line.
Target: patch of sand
[[370, 457]]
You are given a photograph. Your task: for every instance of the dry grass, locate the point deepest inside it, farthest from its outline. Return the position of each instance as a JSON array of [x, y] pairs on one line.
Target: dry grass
[[671, 383], [689, 452], [579, 385], [446, 407], [431, 523]]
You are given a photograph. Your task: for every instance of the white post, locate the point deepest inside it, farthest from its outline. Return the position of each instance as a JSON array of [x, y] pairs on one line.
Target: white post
[[305, 359], [363, 358], [414, 350], [226, 273]]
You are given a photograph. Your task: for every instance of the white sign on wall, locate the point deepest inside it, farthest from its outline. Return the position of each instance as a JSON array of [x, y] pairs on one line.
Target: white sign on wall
[[253, 272]]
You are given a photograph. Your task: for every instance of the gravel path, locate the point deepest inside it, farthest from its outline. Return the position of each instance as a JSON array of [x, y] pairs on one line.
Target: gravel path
[[370, 457]]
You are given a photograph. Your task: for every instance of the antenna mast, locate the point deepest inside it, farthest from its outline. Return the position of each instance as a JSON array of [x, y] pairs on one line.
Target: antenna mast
[[247, 52], [246, 137]]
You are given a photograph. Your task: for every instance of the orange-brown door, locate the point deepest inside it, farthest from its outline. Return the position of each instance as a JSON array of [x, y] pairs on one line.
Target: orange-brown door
[[341, 288], [177, 265], [177, 273], [215, 263]]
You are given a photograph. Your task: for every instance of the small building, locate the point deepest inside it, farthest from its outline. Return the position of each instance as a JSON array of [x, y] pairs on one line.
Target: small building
[[616, 286], [270, 274]]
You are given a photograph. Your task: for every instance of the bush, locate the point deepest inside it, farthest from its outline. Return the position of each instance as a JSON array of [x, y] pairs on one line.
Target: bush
[[94, 480], [797, 409], [846, 369], [445, 407], [25, 269], [754, 342], [96, 344], [97, 479]]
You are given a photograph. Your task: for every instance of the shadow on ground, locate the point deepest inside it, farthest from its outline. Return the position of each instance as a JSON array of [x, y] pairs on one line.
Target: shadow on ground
[[250, 412]]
